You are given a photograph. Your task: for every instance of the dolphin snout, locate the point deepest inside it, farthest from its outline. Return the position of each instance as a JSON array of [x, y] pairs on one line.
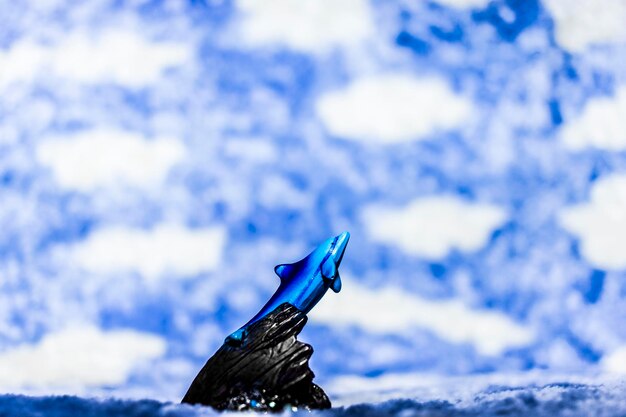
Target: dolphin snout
[[339, 247]]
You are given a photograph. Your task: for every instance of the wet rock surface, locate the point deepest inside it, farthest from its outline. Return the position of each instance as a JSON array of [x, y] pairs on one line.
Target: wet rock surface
[[268, 371]]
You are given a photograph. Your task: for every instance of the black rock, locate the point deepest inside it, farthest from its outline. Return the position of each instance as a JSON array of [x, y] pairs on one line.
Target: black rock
[[269, 371]]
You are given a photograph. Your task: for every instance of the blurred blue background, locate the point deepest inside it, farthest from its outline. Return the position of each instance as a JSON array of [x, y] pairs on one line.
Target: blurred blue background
[[158, 158]]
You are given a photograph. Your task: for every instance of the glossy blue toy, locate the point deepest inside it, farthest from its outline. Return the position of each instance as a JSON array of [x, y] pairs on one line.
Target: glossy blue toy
[[303, 283]]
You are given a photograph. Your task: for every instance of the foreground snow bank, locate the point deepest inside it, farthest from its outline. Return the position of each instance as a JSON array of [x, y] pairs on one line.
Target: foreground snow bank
[[57, 406], [549, 400], [561, 399]]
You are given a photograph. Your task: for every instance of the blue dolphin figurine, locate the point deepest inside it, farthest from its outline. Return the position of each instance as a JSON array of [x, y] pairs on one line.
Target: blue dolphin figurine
[[303, 283]]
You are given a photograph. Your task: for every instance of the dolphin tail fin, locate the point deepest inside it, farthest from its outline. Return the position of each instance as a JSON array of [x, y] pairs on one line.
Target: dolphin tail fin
[[236, 338]]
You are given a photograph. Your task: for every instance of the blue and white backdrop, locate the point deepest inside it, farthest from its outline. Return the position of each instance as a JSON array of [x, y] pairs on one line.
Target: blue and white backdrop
[[158, 158]]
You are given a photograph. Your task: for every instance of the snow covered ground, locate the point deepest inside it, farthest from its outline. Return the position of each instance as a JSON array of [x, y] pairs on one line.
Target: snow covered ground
[[529, 394], [158, 158]]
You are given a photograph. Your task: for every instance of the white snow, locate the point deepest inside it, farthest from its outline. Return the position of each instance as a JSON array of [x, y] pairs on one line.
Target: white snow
[[582, 23], [306, 25], [116, 56], [433, 226], [391, 310], [165, 249], [77, 357], [601, 124], [600, 224], [460, 390], [88, 160], [391, 108]]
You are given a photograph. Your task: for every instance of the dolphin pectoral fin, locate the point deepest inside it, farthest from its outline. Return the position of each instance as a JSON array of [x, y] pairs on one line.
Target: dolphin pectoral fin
[[336, 285], [330, 273], [329, 268]]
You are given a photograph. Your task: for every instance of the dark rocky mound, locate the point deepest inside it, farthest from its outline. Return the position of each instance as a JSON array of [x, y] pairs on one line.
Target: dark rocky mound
[[269, 371]]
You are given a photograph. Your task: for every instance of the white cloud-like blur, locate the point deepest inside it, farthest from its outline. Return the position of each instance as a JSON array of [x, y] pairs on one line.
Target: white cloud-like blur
[[615, 361], [433, 226], [166, 248], [600, 223], [77, 357], [113, 55], [581, 24], [391, 108], [157, 159], [601, 124], [103, 158], [464, 4], [390, 310], [306, 25]]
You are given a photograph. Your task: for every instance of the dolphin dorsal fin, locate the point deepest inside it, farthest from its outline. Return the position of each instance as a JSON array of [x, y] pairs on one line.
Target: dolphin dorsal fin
[[283, 271]]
